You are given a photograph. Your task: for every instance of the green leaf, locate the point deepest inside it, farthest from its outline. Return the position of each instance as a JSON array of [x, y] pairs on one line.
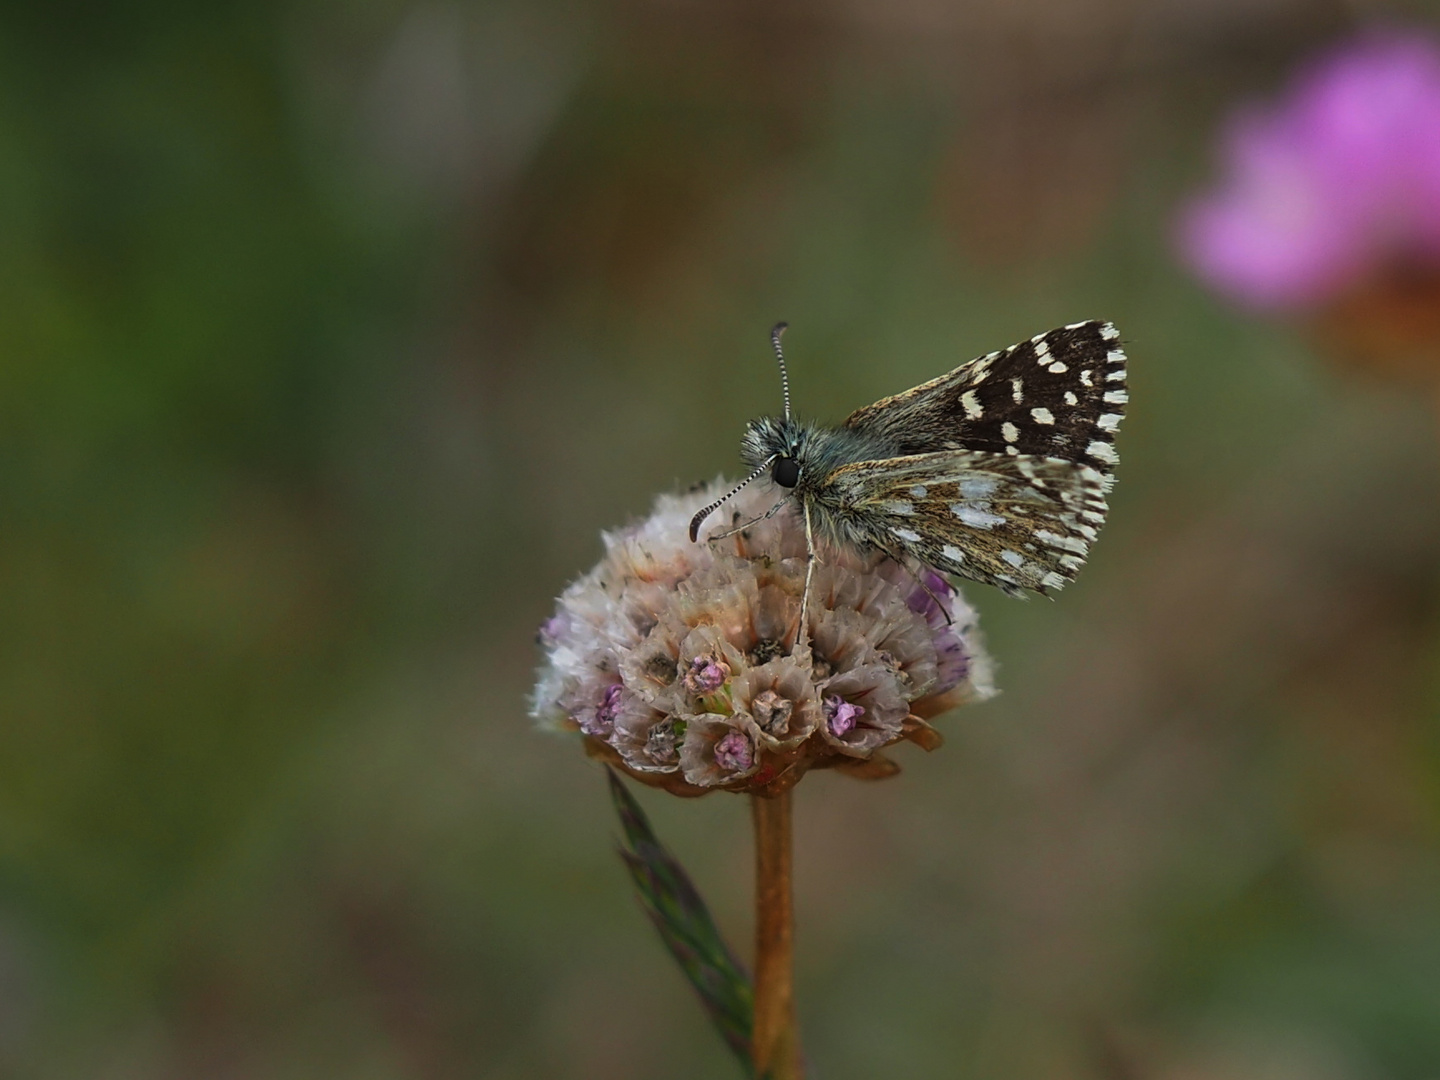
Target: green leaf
[[679, 914]]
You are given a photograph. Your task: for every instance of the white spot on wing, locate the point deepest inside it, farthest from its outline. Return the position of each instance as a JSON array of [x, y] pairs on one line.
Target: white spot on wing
[[977, 487], [1063, 543], [977, 515], [904, 509], [1057, 368], [1109, 422], [919, 491], [1070, 398], [1108, 332], [1014, 558], [1116, 397], [1009, 431], [910, 536], [1116, 375], [1042, 416], [1085, 378], [953, 553], [1017, 392], [1102, 451], [973, 409]]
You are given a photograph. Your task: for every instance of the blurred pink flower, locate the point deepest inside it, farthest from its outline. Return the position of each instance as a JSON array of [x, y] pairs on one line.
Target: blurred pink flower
[[1336, 182]]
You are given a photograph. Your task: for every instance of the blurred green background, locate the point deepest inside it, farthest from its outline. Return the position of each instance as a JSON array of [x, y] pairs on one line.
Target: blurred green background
[[331, 336]]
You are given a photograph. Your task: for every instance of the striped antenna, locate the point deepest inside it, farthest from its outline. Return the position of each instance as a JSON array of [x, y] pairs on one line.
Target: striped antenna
[[780, 356], [699, 519]]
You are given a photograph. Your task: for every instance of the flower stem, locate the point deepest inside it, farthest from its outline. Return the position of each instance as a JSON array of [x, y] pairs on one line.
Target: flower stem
[[775, 1042]]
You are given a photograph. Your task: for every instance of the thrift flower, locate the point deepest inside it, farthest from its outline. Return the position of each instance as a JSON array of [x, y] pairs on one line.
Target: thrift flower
[[1333, 186], [684, 665]]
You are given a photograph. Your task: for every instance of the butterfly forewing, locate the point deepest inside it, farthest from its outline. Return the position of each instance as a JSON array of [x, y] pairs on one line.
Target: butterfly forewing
[[1014, 521], [1059, 395], [997, 471]]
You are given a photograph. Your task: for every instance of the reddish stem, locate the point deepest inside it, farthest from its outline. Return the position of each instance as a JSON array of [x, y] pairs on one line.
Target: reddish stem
[[775, 1042]]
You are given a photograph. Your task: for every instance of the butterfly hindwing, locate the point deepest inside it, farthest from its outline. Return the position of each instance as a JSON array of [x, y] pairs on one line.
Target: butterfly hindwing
[[1015, 521], [1059, 395]]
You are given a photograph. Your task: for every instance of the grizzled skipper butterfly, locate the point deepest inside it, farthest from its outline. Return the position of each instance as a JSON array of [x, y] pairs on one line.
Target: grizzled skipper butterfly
[[996, 472]]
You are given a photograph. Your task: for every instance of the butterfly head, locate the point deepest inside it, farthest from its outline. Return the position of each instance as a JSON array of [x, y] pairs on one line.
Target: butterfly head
[[777, 444], [771, 444], [785, 472]]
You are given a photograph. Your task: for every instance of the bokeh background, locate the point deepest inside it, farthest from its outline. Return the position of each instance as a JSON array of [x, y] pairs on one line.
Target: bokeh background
[[331, 334]]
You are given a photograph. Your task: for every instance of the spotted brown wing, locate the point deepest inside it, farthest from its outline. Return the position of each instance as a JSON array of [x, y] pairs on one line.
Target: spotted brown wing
[[1061, 394], [1015, 521]]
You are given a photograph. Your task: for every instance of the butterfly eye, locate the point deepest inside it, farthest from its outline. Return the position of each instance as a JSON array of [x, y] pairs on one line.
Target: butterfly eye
[[786, 472]]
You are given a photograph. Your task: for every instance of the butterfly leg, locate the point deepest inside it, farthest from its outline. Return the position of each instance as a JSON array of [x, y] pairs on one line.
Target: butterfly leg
[[753, 521], [803, 637], [900, 561], [949, 621]]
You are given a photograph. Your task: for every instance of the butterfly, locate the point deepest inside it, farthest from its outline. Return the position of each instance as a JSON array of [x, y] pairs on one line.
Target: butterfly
[[996, 472]]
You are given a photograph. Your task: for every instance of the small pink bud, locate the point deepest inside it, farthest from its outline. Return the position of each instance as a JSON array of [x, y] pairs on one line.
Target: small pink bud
[[772, 712], [706, 675], [604, 718], [734, 752], [841, 715]]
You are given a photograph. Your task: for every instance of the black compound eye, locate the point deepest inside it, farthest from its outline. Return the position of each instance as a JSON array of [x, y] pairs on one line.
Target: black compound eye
[[786, 472]]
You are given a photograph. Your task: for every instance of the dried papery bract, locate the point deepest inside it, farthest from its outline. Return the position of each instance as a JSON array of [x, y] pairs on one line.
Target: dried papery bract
[[683, 665]]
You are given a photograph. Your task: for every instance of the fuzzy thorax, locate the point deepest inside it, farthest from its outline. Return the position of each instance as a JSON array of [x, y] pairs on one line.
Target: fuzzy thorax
[[818, 450]]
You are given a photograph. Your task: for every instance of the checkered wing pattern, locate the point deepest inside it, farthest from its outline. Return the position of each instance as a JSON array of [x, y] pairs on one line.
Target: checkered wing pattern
[[1013, 521], [1061, 394], [1003, 464]]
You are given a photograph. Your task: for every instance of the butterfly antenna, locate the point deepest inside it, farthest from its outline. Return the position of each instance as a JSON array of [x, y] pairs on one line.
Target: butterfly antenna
[[780, 356], [699, 518]]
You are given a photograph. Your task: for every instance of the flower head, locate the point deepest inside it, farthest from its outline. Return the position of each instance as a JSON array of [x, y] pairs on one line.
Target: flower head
[[685, 664], [1335, 183]]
